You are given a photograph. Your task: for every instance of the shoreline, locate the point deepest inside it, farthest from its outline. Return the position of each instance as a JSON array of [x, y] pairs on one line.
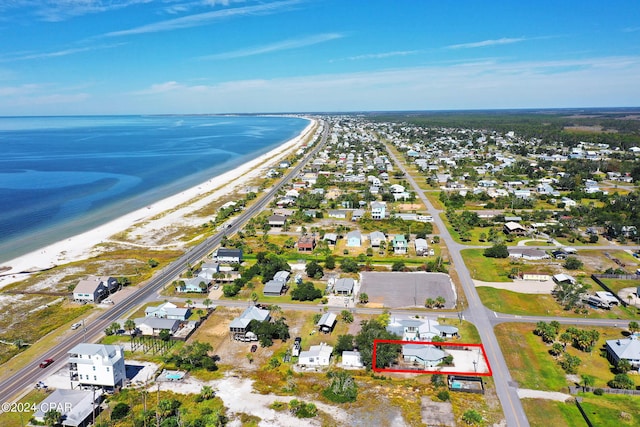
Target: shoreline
[[170, 210]]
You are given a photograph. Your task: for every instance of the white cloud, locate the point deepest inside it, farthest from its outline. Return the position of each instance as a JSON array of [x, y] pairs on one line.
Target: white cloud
[[204, 18], [56, 54], [274, 47], [489, 84], [485, 43]]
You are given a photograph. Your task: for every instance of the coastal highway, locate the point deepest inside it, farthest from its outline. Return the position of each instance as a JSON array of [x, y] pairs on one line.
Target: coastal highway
[[477, 314], [13, 383]]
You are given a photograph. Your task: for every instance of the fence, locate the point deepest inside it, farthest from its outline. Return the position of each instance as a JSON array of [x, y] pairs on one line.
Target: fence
[[584, 414], [576, 390]]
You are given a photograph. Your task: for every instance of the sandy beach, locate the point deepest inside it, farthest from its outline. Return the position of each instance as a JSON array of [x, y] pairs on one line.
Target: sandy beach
[[152, 218]]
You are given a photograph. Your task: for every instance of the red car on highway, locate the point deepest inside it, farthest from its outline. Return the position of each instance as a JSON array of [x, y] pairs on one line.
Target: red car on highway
[[46, 362]]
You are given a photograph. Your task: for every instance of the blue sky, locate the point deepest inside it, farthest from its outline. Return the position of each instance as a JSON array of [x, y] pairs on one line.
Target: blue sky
[[213, 56]]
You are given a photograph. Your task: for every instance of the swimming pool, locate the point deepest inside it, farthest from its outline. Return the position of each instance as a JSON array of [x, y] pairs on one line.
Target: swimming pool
[[174, 375]]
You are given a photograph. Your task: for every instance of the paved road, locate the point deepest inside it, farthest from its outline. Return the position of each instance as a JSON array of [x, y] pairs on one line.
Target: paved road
[[476, 313], [15, 382]]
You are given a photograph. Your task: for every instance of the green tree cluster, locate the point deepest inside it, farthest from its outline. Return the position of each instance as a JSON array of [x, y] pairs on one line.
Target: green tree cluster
[[194, 356], [305, 291], [267, 331], [385, 353]]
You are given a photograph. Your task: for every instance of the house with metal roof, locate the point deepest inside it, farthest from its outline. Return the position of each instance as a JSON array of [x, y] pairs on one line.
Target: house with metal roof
[[425, 355], [627, 349], [97, 365], [327, 322], [75, 406]]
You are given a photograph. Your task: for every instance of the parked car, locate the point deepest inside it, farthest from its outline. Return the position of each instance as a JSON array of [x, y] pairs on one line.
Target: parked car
[[76, 326], [46, 362], [254, 348], [108, 301]]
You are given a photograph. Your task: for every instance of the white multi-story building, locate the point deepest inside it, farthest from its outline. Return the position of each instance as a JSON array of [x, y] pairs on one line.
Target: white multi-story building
[[97, 365]]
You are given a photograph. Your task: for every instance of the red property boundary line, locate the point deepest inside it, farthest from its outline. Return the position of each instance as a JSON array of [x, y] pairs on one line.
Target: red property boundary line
[[438, 344]]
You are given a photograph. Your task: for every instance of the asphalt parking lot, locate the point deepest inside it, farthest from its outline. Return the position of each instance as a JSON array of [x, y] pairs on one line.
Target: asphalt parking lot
[[400, 290]]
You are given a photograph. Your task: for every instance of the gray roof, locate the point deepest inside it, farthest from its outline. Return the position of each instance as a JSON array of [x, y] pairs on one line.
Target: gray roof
[[157, 322], [91, 349], [427, 353], [273, 287], [628, 348], [344, 284], [80, 403], [249, 314], [327, 319], [330, 236]]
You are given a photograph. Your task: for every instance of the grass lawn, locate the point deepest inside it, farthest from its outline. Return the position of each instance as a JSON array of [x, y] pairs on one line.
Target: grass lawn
[[617, 285], [533, 367], [540, 411], [510, 302], [538, 243], [612, 410], [19, 419], [486, 269]]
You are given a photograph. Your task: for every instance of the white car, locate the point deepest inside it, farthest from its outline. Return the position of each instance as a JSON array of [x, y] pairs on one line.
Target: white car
[[76, 326], [108, 301]]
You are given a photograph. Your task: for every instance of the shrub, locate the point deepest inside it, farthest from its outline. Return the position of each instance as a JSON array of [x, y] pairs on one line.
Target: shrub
[[443, 395], [598, 392], [119, 411], [342, 389], [573, 263], [497, 251]]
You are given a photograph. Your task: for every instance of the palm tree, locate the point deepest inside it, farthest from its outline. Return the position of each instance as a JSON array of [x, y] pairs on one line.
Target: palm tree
[[440, 301], [52, 418], [206, 392], [207, 302], [254, 297], [587, 381], [364, 298], [429, 302], [130, 325], [188, 302]]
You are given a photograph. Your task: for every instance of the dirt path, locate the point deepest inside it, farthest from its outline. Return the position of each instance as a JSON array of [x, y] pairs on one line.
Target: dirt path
[[522, 286], [524, 393]]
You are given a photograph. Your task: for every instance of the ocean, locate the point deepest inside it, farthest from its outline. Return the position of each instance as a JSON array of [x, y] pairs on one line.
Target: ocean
[[60, 176]]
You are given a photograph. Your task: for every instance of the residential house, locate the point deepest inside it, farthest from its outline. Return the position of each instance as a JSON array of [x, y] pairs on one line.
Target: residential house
[[238, 326], [330, 238], [277, 285], [357, 214], [75, 406], [422, 248], [327, 322], [400, 244], [151, 326], [97, 365], [376, 238], [344, 286], [168, 310], [277, 220], [514, 228], [229, 256], [194, 284], [624, 349], [337, 213], [424, 355], [352, 359], [563, 278], [94, 288], [317, 355], [378, 210], [306, 243], [354, 238], [420, 329], [528, 253]]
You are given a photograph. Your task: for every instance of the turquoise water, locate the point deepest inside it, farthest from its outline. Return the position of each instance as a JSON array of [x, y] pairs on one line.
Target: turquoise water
[[60, 176]]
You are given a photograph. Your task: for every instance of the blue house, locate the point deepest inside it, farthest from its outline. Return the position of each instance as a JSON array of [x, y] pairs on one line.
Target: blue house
[[354, 238]]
